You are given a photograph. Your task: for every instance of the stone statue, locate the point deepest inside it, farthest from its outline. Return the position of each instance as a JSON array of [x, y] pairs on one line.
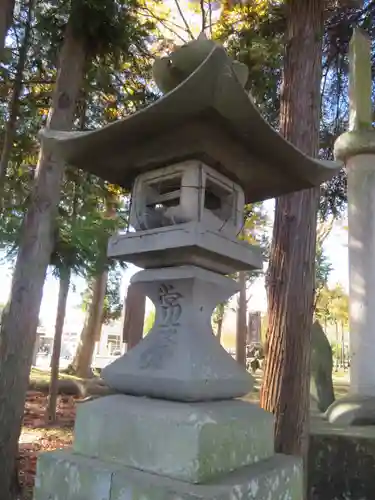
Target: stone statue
[[321, 387]]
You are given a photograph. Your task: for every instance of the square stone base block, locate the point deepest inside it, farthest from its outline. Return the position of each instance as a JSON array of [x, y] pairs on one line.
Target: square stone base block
[[63, 475], [193, 442]]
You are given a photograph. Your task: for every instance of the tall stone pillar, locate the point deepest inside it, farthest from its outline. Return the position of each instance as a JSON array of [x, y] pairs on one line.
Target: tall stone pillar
[[357, 149]]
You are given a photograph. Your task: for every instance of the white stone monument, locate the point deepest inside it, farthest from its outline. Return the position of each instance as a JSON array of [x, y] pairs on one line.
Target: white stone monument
[[357, 149], [176, 429]]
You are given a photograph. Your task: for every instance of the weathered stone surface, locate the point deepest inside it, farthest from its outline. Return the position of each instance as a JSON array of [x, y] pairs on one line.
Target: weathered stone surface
[[63, 475], [189, 191], [341, 463], [180, 359], [191, 442], [353, 409], [321, 386]]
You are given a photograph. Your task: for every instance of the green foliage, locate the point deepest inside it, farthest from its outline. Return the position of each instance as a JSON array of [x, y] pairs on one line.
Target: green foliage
[[323, 268], [333, 306], [253, 34], [254, 231], [113, 303], [116, 84]]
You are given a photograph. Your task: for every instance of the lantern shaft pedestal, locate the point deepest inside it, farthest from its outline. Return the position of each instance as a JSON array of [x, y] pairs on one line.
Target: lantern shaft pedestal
[[180, 359]]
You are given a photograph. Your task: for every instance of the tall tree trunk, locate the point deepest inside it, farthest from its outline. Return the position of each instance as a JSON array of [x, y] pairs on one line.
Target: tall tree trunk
[[19, 325], [6, 17], [56, 351], [81, 365], [14, 103], [285, 390], [241, 327], [135, 306]]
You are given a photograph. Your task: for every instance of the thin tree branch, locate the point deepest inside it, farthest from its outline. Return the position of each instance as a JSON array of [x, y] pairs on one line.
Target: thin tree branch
[[203, 16], [184, 19], [210, 17], [164, 22]]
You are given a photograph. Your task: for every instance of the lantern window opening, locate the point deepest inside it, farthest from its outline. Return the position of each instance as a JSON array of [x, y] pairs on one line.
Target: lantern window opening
[[219, 199], [164, 193]]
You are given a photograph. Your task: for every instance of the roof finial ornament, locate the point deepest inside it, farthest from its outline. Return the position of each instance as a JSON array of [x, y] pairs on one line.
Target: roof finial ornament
[[360, 81], [170, 71]]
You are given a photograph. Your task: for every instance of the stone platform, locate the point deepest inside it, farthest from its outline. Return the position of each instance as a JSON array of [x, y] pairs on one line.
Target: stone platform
[[341, 461], [63, 475], [136, 448]]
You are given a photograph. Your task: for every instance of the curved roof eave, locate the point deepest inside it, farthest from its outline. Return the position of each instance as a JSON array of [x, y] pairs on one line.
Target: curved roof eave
[[213, 85]]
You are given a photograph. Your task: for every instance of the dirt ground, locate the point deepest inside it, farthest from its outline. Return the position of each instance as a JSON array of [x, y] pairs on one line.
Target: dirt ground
[[37, 437]]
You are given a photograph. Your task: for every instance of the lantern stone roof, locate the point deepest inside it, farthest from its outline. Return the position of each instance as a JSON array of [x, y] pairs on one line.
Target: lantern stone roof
[[209, 117]]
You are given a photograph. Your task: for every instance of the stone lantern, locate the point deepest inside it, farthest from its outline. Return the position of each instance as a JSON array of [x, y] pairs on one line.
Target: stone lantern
[[175, 429]]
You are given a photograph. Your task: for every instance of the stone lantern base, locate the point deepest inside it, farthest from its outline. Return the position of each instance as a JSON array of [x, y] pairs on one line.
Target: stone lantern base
[[182, 433], [131, 448]]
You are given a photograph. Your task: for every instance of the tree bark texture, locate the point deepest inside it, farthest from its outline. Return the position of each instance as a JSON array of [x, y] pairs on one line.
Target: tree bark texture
[[241, 327], [19, 325], [91, 330], [6, 17], [135, 307], [14, 103], [285, 390], [56, 351]]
